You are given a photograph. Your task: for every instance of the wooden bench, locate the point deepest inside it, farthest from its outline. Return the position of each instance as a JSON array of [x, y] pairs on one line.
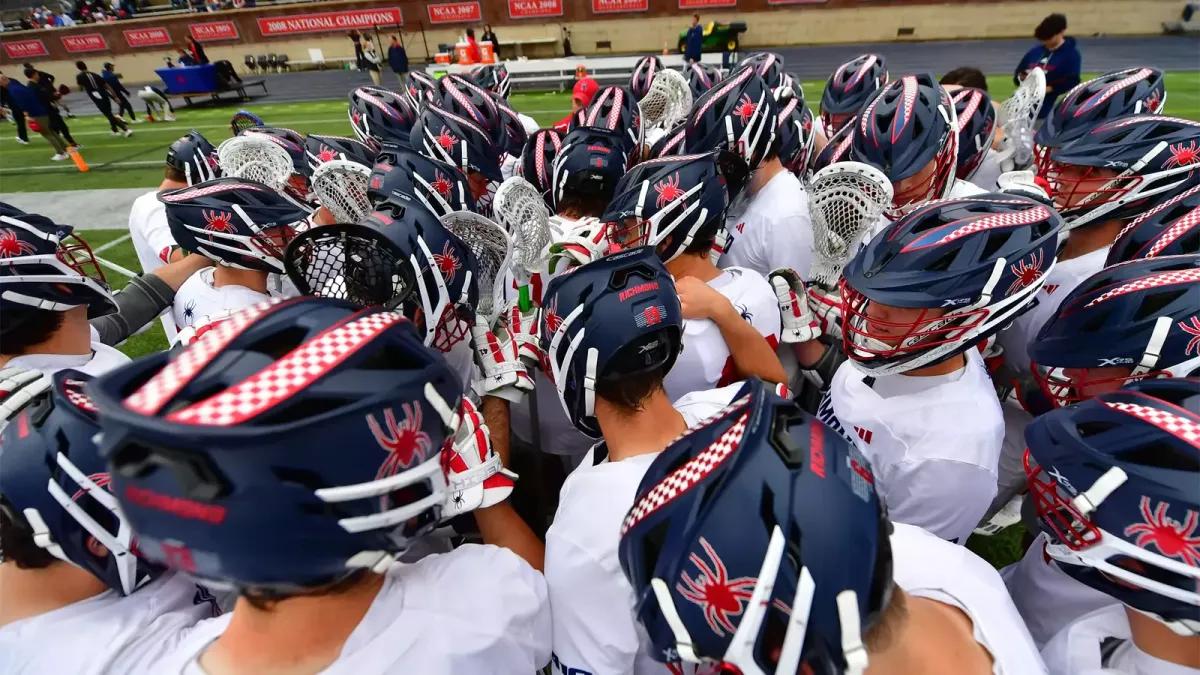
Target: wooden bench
[[238, 88]]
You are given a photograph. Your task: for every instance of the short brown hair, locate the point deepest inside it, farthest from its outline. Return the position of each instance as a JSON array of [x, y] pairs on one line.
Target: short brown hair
[[171, 173], [966, 76], [1050, 26], [890, 626]]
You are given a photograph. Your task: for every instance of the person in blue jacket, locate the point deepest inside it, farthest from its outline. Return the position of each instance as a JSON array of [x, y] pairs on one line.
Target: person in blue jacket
[[38, 113], [695, 38], [398, 60], [1058, 55]]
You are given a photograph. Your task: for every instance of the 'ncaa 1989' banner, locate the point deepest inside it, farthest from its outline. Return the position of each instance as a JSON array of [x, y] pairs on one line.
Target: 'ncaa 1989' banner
[[534, 9], [328, 22]]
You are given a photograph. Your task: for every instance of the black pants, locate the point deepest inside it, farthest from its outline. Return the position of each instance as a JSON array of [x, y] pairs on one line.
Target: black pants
[[123, 106], [19, 118], [57, 123], [106, 109]]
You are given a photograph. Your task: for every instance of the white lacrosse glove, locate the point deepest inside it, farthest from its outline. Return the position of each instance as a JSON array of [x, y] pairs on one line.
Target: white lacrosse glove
[[720, 244], [826, 306], [475, 477], [583, 243], [503, 373], [1025, 184], [523, 326], [19, 386], [799, 324], [189, 334]]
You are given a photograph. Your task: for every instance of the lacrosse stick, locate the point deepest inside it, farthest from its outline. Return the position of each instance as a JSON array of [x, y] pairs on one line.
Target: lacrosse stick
[[521, 210], [845, 200], [255, 157], [1016, 117], [493, 252], [244, 119], [341, 187], [350, 262], [668, 100]]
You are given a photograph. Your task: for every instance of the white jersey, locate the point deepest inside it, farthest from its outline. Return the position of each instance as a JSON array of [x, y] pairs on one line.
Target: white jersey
[[106, 633], [1100, 644], [987, 176], [933, 442], [705, 362], [591, 602], [198, 298], [772, 230], [100, 360], [152, 241], [1046, 596], [928, 567], [477, 609]]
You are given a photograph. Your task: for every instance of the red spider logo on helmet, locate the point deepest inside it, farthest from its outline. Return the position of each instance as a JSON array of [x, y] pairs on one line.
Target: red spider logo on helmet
[[745, 108], [12, 246], [215, 221], [441, 183], [1027, 272], [1193, 330], [446, 139], [447, 262], [668, 190], [326, 154], [404, 441], [551, 318], [1182, 155], [355, 117], [102, 480], [1154, 102], [1171, 537], [719, 596]]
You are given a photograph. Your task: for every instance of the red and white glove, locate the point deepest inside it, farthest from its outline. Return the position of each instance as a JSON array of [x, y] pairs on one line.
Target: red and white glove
[[501, 370], [189, 334], [720, 243], [585, 241], [826, 306], [523, 326], [475, 477], [799, 324]]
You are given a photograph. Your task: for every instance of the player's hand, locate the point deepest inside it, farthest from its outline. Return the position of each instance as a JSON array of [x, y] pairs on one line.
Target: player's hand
[[799, 324], [189, 334], [503, 373], [586, 241], [475, 476], [523, 326], [720, 245], [1025, 184], [826, 306], [699, 300]]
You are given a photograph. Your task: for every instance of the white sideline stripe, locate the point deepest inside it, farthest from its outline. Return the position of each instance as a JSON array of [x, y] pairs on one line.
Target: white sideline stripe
[[115, 242], [114, 266]]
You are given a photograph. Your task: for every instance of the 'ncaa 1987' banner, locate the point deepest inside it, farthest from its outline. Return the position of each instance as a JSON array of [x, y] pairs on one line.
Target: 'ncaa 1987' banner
[[454, 12], [25, 49], [613, 6], [534, 9], [328, 22]]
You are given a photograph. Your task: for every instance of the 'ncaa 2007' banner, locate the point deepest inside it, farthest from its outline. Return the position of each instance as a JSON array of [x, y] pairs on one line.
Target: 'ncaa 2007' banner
[[534, 9], [328, 22], [454, 12]]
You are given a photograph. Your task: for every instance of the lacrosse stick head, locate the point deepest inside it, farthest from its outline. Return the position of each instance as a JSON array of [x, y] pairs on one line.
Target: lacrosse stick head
[[845, 199], [1017, 117], [341, 187], [644, 72], [244, 119], [255, 157], [668, 100], [492, 249], [350, 262], [321, 149], [520, 209]]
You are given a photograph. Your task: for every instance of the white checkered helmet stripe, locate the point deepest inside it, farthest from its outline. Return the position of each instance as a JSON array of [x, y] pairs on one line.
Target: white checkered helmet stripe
[[1179, 426]]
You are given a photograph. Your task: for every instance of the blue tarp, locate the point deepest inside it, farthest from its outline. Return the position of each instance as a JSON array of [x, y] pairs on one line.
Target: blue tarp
[[189, 79]]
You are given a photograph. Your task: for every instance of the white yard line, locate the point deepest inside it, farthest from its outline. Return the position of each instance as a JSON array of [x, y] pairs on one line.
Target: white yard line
[[114, 266], [115, 242]]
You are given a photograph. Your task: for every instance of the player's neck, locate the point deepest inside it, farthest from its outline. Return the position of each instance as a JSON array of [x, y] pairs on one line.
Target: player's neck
[[763, 175], [26, 593], [1083, 240], [303, 634], [689, 265], [73, 338], [232, 276], [935, 639], [169, 184], [944, 368], [1159, 641], [646, 431]]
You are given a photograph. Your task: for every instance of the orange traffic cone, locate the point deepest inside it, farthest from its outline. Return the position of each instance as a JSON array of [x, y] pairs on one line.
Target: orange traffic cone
[[78, 159], [666, 52]]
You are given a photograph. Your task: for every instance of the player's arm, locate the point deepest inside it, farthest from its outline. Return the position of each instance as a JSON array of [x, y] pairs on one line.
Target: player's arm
[[500, 525], [752, 355], [945, 497], [145, 298]]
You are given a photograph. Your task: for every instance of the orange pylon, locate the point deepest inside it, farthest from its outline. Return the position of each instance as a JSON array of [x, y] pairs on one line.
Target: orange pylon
[[78, 159]]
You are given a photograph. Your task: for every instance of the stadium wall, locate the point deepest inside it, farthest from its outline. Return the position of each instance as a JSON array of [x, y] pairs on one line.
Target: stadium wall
[[138, 46]]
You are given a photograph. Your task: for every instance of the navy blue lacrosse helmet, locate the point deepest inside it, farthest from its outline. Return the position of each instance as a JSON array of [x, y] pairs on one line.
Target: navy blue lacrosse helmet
[[321, 149], [976, 128], [1122, 168], [700, 77], [1115, 490], [378, 115], [968, 267], [670, 143], [837, 149], [441, 134], [421, 90], [494, 78], [440, 187], [1133, 91], [537, 161], [460, 95], [760, 515], [614, 317], [240, 223], [680, 199], [643, 75], [515, 135], [220, 452], [736, 115], [767, 65], [795, 133], [908, 126], [590, 163], [1136, 320], [44, 265], [615, 109], [194, 157], [849, 88], [1170, 228], [54, 484]]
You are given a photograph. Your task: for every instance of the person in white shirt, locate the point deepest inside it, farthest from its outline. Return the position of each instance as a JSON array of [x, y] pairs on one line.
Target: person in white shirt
[[1114, 481], [610, 331], [74, 596], [758, 543], [308, 538]]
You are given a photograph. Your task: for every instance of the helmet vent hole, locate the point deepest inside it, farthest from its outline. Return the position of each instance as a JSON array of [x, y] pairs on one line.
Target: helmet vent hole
[[1097, 322], [994, 244], [1155, 304], [1160, 456], [943, 263], [302, 409], [279, 343]]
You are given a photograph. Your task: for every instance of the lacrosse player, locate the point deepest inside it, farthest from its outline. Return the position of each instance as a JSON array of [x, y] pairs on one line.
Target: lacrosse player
[[156, 100], [757, 543], [847, 91], [308, 537], [75, 597], [978, 162], [462, 143]]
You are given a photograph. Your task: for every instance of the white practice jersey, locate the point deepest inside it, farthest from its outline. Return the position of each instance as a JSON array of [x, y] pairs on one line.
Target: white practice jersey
[[591, 602], [705, 362], [1047, 597], [106, 633], [477, 609], [987, 176], [198, 298], [100, 360], [1100, 644], [928, 567], [152, 240], [461, 359], [933, 442], [771, 229]]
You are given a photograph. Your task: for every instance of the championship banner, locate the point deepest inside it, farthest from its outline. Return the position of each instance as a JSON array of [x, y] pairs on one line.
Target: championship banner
[[88, 42], [25, 49], [614, 6], [328, 22], [534, 9], [147, 37], [214, 30], [706, 4], [795, 2], [455, 12]]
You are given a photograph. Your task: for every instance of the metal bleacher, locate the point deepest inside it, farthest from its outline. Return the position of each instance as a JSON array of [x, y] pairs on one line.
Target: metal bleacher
[[559, 73]]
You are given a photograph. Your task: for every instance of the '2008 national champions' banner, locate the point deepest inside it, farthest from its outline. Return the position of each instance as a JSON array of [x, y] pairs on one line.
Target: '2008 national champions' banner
[[328, 22]]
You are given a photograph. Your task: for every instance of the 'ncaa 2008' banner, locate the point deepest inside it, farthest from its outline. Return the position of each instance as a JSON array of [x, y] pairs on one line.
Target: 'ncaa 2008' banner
[[534, 9], [328, 22]]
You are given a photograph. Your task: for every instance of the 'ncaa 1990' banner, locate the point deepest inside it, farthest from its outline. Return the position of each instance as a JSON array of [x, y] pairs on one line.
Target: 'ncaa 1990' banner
[[328, 22], [534, 9], [613, 6]]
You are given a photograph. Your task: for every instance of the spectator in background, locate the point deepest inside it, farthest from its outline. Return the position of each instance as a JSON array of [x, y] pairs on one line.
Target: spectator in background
[[1057, 55], [184, 58], [966, 76], [490, 36], [120, 93], [695, 41], [371, 60], [30, 100], [45, 82], [356, 38], [472, 46], [398, 60], [48, 98], [64, 19], [581, 97], [197, 52]]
